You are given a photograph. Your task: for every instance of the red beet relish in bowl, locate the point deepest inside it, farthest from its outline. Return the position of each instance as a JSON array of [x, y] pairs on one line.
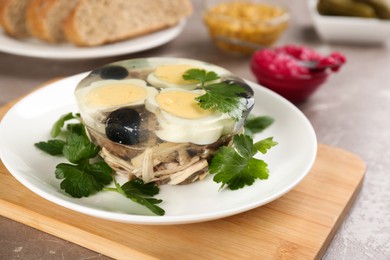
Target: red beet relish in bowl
[[294, 72]]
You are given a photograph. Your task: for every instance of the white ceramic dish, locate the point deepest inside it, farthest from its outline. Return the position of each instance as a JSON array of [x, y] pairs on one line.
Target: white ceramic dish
[[30, 120], [352, 30], [36, 48]]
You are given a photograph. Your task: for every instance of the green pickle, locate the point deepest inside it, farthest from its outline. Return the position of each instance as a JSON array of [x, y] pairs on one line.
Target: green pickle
[[345, 8], [357, 8], [381, 7]]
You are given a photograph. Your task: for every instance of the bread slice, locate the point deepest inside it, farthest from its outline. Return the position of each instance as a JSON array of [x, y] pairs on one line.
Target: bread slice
[[45, 18], [13, 17], [96, 22]]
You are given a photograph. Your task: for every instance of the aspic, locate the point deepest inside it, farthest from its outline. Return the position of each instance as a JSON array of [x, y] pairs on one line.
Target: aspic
[[153, 120]]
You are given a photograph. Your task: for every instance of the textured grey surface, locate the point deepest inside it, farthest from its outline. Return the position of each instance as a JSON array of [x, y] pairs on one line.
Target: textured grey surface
[[350, 111]]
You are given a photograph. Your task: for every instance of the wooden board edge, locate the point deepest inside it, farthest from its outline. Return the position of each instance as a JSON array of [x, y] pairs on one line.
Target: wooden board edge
[[64, 231], [350, 202]]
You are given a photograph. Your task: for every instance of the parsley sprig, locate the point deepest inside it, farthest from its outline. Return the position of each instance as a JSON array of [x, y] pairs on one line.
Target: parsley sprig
[[222, 96], [233, 166], [141, 193], [84, 175], [236, 166], [200, 75]]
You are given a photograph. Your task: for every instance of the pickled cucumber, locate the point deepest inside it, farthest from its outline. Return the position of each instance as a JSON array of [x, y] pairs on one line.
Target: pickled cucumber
[[345, 8], [381, 7]]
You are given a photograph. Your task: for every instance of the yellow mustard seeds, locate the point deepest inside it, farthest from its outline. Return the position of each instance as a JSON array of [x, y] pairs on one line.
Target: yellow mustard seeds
[[243, 27]]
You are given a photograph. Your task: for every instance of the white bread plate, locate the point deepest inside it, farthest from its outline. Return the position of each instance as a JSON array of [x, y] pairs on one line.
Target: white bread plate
[[66, 51]]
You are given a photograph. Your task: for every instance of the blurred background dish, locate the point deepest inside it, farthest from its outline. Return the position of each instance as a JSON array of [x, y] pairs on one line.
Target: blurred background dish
[[241, 27], [294, 72], [350, 21], [40, 49], [55, 28]]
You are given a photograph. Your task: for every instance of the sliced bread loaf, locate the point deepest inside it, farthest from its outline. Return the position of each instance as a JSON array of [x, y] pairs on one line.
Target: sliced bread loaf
[[13, 17], [95, 22], [45, 18]]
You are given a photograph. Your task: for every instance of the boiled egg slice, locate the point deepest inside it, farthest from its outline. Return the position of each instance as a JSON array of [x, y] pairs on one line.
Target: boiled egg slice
[[107, 94], [171, 75], [181, 119]]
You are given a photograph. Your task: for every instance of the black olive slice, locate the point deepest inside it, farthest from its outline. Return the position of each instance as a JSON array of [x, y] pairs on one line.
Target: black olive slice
[[122, 126], [112, 72]]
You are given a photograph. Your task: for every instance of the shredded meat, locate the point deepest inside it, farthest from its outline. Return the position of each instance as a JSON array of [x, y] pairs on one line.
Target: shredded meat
[[163, 163]]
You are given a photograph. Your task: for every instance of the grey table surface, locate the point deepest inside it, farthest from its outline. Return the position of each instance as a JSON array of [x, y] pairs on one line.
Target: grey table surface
[[350, 111]]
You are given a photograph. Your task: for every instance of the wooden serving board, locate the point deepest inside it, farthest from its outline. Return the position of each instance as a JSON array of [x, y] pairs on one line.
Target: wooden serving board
[[299, 225]]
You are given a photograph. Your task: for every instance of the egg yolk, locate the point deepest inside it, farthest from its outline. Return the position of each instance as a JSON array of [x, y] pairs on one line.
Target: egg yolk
[[174, 73], [115, 95], [181, 104]]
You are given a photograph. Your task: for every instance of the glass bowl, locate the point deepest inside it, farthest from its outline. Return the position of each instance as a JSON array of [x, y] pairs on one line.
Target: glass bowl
[[242, 27], [294, 72], [294, 89], [146, 118]]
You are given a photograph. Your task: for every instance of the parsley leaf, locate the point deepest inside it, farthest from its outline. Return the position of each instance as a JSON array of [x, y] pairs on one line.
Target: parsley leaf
[[243, 145], [138, 187], [223, 96], [264, 145], [200, 75], [236, 167], [83, 179], [256, 124], [52, 147], [78, 148], [56, 129], [77, 129], [141, 193]]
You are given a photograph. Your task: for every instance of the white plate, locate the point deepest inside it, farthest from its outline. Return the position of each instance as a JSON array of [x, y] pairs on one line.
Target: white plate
[[40, 49], [30, 121]]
